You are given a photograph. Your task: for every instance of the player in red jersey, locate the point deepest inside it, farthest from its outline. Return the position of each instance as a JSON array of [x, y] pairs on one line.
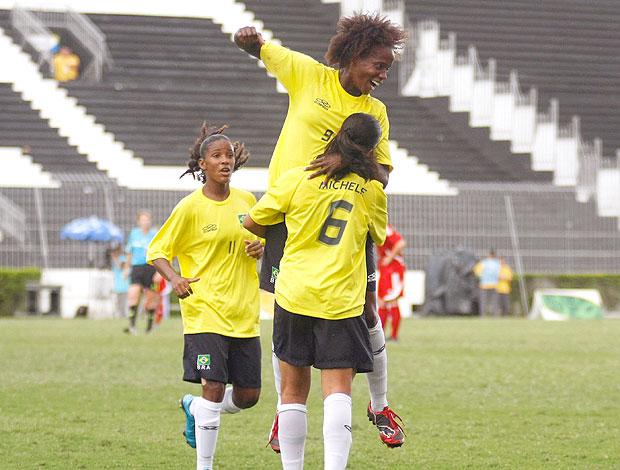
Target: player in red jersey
[[391, 279]]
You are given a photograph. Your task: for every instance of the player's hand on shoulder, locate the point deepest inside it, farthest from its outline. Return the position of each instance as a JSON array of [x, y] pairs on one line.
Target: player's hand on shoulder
[[325, 165], [254, 249]]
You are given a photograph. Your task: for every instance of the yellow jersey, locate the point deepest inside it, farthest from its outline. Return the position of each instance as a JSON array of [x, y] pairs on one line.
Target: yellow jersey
[[207, 237], [505, 277], [318, 105], [323, 269], [66, 67]]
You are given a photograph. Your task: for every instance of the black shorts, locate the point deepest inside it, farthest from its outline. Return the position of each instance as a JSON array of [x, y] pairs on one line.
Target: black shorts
[[143, 274], [301, 341], [219, 358], [275, 239]]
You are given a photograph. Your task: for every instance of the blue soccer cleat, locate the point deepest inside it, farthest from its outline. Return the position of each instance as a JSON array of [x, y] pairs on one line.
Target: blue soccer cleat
[[190, 423]]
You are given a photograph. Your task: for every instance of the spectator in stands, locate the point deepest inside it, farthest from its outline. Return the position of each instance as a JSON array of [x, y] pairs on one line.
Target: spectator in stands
[[321, 287], [66, 65], [391, 279], [218, 288], [487, 272], [143, 276], [321, 98], [504, 286], [121, 283]]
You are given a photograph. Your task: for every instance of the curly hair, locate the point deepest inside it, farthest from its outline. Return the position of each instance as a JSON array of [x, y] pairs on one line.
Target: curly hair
[[197, 151], [358, 35], [359, 135]]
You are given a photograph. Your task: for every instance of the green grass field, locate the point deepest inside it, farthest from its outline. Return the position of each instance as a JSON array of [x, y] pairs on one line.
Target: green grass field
[[519, 394]]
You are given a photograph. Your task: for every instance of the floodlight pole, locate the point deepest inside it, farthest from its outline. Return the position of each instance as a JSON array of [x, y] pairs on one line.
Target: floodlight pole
[[515, 246]]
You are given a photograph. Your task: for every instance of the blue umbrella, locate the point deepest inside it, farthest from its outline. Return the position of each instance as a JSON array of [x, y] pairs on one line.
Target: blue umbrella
[[92, 229]]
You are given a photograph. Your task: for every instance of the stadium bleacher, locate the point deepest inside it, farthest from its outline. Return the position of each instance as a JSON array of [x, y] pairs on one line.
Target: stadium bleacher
[[21, 126], [567, 49], [440, 139], [304, 26], [171, 73], [149, 101]]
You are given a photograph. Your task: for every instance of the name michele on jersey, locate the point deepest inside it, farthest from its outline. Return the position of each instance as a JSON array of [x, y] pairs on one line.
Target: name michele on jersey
[[343, 184]]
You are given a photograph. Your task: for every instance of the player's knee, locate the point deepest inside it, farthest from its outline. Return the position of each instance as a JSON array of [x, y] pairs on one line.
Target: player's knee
[[213, 391], [247, 398]]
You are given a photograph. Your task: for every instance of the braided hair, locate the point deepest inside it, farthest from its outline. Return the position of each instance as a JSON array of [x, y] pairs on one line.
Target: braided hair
[[358, 35], [359, 135], [197, 151]]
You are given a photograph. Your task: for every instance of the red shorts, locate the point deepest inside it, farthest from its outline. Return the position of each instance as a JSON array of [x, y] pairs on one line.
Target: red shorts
[[391, 281]]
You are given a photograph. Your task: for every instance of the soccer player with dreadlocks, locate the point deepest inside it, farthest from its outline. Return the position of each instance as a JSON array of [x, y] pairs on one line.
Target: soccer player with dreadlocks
[[217, 288]]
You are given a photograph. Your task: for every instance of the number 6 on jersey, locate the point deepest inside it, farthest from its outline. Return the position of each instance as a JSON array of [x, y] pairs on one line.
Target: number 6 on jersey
[[338, 224]]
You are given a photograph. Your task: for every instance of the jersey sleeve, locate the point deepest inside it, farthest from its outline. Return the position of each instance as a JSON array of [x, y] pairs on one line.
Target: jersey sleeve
[[168, 241], [382, 152], [292, 68], [271, 208], [376, 203], [249, 235]]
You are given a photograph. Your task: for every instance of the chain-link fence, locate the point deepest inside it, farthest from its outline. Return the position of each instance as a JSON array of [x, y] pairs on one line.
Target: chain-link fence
[[555, 233]]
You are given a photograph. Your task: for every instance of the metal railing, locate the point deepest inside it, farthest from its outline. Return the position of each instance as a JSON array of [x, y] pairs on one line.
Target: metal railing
[[88, 35], [480, 73], [37, 23], [35, 33], [408, 52], [556, 233], [521, 99], [12, 221], [589, 164], [551, 115]]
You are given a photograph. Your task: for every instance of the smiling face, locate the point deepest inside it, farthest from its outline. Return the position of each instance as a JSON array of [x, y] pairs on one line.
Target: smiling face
[[365, 74], [218, 161]]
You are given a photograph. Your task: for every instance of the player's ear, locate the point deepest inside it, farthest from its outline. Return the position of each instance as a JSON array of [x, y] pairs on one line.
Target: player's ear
[[202, 163]]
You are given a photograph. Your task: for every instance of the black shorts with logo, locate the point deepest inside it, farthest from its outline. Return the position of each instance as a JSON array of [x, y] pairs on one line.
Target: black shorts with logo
[[301, 341], [219, 358], [275, 240], [143, 274]]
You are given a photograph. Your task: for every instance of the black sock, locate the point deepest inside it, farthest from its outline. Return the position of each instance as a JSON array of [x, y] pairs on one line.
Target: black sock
[[133, 313], [150, 315]]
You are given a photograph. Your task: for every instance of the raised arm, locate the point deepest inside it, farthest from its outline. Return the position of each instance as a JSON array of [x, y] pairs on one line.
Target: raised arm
[[249, 40]]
